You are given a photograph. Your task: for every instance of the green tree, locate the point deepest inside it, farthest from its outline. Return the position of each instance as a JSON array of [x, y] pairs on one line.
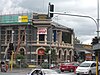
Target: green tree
[[53, 55], [19, 56]]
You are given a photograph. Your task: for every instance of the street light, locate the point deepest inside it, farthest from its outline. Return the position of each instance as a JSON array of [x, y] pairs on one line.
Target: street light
[[97, 25]]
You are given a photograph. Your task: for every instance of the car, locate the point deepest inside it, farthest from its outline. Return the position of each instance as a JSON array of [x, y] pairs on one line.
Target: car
[[42, 72], [53, 66], [87, 67], [68, 67]]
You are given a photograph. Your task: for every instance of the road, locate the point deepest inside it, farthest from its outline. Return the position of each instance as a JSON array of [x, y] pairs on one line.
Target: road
[[25, 71]]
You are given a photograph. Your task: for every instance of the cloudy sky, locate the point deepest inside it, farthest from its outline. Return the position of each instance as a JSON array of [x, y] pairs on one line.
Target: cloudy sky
[[84, 28]]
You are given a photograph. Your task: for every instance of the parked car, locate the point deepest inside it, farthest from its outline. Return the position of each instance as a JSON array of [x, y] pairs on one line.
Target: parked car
[[87, 67], [68, 67]]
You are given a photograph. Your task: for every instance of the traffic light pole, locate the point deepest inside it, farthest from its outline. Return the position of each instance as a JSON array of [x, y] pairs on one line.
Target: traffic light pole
[[97, 54], [97, 25], [11, 64], [12, 53]]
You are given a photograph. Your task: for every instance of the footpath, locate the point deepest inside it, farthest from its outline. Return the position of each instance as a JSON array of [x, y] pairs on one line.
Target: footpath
[[19, 70]]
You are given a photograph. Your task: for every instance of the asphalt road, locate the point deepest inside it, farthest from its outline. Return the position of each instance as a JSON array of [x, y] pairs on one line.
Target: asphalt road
[[25, 71]]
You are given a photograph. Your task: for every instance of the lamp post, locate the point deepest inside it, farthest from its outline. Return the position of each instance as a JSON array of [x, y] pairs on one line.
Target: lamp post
[[49, 58]]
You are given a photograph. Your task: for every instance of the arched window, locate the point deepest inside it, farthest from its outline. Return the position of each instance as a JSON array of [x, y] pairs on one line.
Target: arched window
[[22, 51]]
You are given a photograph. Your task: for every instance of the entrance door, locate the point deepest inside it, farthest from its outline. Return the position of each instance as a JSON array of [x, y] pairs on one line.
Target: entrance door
[[40, 56], [40, 59]]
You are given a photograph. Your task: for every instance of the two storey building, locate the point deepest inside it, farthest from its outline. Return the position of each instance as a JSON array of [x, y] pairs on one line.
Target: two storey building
[[36, 37]]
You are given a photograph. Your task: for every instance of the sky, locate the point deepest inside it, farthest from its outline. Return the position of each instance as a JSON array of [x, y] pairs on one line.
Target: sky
[[84, 28]]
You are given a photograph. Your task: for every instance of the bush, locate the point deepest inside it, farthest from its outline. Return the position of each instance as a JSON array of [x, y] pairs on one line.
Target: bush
[[16, 66], [45, 65], [24, 65]]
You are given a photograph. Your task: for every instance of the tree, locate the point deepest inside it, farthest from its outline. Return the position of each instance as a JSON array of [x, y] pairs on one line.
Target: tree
[[19, 56], [53, 55]]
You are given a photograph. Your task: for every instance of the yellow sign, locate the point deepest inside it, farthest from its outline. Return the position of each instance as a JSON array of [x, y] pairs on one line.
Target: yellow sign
[[23, 19]]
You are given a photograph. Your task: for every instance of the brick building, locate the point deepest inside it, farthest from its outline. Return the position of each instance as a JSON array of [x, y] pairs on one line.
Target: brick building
[[35, 36]]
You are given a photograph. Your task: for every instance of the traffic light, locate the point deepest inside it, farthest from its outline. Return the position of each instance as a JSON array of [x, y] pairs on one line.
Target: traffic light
[[51, 9], [11, 47], [95, 40], [9, 53]]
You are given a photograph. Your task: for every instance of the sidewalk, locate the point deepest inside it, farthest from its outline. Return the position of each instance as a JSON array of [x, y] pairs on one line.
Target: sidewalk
[[19, 70]]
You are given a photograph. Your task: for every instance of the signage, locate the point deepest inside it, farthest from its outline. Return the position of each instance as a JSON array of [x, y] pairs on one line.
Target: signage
[[42, 31], [23, 19], [87, 46], [41, 16], [41, 52], [88, 56], [96, 47]]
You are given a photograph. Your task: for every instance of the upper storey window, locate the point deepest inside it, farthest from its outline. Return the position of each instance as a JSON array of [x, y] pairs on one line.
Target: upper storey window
[[66, 37], [8, 35], [41, 37], [42, 33]]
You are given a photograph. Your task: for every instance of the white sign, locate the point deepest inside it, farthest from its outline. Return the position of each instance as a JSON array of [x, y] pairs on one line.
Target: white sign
[[96, 47], [42, 31]]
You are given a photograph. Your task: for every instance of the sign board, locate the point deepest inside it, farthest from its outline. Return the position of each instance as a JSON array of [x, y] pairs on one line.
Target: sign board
[[42, 31], [87, 46], [88, 56], [96, 47], [23, 19], [41, 52], [40, 16]]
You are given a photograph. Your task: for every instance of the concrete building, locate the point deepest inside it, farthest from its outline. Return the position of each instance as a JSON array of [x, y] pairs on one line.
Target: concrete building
[[36, 37]]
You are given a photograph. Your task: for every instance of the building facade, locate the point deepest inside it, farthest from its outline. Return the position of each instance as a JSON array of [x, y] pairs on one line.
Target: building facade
[[36, 37], [84, 52]]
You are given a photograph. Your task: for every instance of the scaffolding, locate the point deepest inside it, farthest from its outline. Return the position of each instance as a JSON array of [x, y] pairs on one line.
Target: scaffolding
[[13, 18], [10, 20]]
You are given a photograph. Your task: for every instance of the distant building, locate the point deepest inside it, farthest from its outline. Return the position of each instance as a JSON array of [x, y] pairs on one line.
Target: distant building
[[84, 52], [34, 36]]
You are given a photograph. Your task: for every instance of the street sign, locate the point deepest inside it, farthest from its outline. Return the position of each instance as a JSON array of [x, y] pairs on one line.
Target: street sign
[[40, 52]]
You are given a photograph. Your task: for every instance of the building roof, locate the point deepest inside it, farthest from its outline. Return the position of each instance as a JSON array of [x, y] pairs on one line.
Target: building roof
[[59, 26], [83, 48]]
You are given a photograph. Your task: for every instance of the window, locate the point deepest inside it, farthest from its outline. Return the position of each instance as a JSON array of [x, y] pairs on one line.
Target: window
[[9, 35], [93, 65], [37, 72], [22, 36], [22, 51], [41, 37], [66, 37]]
